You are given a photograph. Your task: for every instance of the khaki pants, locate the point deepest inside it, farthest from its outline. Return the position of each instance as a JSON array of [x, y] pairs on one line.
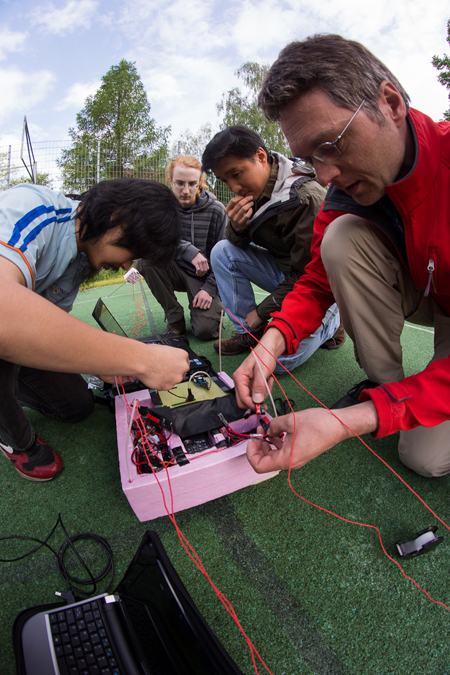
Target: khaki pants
[[375, 294]]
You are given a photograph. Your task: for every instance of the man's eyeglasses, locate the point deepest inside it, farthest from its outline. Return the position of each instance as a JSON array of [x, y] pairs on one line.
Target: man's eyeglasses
[[192, 184], [329, 151]]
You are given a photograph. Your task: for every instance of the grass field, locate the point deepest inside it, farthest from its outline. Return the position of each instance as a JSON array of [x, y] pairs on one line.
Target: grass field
[[315, 593]]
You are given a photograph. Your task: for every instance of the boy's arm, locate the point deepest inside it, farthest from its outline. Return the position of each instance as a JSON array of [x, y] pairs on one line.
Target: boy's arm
[[35, 333]]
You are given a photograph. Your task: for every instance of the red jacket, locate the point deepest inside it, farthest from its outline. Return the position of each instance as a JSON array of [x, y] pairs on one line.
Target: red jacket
[[422, 199]]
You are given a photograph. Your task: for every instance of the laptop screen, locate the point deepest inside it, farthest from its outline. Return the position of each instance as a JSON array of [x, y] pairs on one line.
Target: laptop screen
[[172, 634], [106, 320]]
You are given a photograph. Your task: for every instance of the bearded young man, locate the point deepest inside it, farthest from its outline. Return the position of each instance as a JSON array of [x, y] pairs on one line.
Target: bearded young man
[[381, 248], [203, 222]]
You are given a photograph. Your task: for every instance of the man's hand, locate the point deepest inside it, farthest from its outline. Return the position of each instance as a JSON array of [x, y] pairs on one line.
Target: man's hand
[[249, 382], [253, 320], [164, 368], [123, 379], [202, 300], [316, 430], [201, 264], [239, 210]]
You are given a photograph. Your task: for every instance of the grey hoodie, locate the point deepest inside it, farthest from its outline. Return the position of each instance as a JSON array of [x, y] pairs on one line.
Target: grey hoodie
[[203, 225]]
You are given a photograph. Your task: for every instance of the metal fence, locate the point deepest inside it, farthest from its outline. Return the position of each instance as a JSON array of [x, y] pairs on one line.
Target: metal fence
[[75, 167]]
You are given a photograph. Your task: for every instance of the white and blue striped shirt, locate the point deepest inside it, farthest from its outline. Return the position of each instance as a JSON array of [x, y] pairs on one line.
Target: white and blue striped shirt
[[37, 233]]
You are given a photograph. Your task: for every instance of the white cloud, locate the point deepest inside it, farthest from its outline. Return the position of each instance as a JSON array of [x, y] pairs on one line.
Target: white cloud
[[187, 53], [10, 41], [75, 15], [9, 139], [77, 95], [173, 26], [25, 90]]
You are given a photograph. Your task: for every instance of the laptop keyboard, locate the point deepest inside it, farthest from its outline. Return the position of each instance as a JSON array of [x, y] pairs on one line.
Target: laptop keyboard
[[81, 642]]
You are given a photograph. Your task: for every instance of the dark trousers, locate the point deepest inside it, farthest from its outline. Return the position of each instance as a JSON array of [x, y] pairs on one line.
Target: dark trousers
[[164, 281], [59, 396]]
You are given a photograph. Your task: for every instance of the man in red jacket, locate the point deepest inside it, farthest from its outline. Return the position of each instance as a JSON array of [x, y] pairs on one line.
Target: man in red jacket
[[381, 249]]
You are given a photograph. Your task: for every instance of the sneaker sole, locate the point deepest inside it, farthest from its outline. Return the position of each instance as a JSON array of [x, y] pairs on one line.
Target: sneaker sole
[[38, 480], [24, 475]]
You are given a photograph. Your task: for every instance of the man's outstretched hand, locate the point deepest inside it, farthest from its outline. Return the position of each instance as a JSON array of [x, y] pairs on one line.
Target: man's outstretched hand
[[315, 431]]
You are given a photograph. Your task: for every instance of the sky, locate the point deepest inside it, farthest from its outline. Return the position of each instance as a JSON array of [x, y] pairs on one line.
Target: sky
[[53, 54]]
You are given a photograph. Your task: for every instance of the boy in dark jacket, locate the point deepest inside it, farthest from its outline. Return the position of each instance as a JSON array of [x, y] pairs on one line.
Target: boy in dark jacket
[[268, 238]]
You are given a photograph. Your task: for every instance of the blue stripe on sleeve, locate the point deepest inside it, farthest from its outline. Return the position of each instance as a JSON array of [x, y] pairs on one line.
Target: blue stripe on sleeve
[[34, 233], [28, 218]]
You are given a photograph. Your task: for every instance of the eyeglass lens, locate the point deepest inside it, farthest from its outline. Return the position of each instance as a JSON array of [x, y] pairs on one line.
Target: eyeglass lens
[[180, 184]]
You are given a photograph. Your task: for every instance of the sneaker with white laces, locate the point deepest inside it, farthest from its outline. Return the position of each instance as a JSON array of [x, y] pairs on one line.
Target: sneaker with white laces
[[38, 463]]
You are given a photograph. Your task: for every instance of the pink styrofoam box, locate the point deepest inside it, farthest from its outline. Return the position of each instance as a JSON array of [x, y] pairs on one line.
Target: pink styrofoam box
[[207, 477]]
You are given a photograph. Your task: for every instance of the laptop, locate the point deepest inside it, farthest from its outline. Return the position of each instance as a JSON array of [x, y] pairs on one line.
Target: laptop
[[106, 320], [148, 626]]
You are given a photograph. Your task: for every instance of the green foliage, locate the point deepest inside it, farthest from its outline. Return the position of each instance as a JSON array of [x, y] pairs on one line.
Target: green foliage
[[241, 107], [115, 135], [41, 179], [443, 65], [103, 278], [3, 170], [193, 143]]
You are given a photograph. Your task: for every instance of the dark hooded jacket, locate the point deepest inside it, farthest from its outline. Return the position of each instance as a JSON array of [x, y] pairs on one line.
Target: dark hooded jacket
[[203, 225]]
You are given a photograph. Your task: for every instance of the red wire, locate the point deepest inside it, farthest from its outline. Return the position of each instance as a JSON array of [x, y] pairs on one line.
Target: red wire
[[195, 557], [321, 508]]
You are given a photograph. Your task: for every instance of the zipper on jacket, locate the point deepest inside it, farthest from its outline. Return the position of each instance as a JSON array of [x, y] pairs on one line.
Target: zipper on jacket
[[430, 268]]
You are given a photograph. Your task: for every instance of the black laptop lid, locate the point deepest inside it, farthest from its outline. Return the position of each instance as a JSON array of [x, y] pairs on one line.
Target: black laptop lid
[[154, 602], [106, 320]]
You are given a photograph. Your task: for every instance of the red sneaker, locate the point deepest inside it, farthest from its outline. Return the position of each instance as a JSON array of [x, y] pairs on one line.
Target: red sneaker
[[39, 463]]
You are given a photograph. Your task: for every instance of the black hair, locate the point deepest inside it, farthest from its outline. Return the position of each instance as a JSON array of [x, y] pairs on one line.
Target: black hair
[[239, 141], [147, 212]]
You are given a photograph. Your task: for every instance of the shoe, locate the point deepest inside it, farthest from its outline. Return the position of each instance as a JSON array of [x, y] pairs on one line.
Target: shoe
[[239, 342], [177, 327], [336, 341], [352, 396], [38, 463]]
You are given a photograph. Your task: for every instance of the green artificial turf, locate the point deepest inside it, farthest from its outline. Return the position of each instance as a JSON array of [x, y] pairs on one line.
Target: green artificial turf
[[314, 593]]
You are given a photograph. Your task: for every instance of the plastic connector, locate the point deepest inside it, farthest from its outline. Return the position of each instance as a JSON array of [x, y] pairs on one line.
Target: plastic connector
[[264, 422], [67, 596]]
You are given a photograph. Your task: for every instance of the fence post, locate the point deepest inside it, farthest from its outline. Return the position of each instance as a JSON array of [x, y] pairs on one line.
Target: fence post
[[98, 161]]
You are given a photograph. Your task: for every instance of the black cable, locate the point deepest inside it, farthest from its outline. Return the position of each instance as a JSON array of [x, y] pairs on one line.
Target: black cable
[[72, 582], [169, 391]]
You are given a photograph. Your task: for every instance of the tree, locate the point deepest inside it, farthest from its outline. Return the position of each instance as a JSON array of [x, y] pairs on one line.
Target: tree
[[193, 143], [41, 179], [241, 107], [3, 170], [444, 66], [115, 135]]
